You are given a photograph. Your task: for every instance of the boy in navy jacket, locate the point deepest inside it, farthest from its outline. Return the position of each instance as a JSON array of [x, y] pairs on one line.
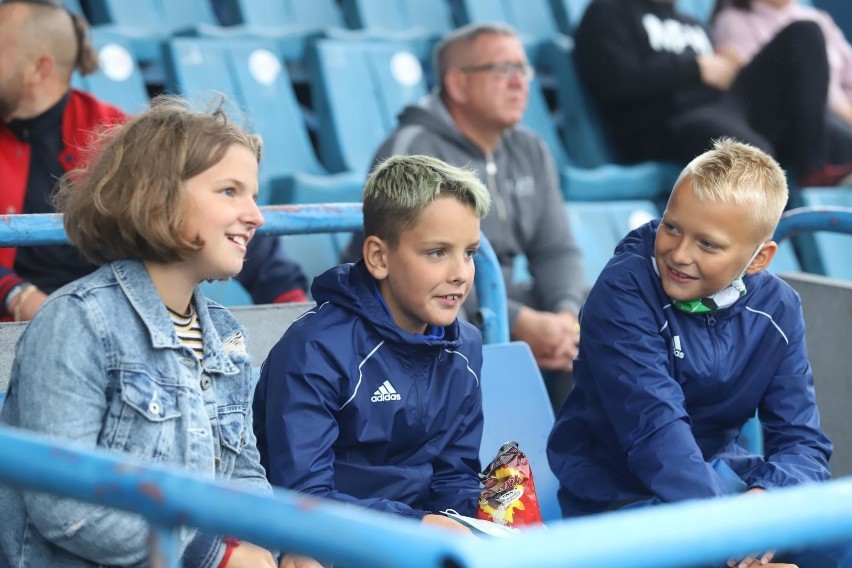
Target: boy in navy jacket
[[685, 336], [373, 397]]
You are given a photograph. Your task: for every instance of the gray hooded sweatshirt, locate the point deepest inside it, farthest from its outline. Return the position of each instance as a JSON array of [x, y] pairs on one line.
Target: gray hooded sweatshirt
[[527, 215]]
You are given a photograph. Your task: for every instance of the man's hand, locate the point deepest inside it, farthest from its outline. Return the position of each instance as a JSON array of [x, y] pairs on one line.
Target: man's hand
[[248, 555], [553, 338], [293, 561], [719, 70]]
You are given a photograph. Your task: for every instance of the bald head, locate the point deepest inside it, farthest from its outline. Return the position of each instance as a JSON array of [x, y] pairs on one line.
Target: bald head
[[45, 27]]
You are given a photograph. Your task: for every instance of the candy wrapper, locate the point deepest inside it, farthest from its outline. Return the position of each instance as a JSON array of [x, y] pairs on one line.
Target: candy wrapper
[[508, 497]]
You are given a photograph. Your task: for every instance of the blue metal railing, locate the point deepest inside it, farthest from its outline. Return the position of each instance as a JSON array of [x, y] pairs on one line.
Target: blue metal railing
[[46, 229], [807, 219], [664, 536]]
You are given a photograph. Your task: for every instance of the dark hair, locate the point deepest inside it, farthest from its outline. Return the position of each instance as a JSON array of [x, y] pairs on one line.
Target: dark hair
[[129, 201]]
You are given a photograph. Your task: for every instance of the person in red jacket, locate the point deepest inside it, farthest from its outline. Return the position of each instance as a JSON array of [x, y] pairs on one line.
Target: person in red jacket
[[45, 128]]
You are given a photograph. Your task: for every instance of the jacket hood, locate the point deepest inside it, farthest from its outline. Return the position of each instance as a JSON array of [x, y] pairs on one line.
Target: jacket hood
[[352, 288], [432, 114]]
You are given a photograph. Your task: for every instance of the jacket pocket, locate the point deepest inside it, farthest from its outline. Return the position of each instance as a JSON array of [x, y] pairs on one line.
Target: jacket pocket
[[232, 426], [145, 416]]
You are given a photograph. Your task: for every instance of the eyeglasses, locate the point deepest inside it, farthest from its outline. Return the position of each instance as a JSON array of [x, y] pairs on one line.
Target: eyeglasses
[[504, 70]]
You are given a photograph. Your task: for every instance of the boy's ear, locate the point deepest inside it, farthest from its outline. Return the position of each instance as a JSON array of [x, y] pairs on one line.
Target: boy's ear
[[375, 257], [763, 258]]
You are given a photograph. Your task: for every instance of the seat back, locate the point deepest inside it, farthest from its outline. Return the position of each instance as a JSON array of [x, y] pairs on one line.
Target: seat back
[[833, 247], [533, 19], [568, 13], [119, 80], [358, 88], [432, 17], [701, 10], [157, 16], [313, 15], [516, 408]]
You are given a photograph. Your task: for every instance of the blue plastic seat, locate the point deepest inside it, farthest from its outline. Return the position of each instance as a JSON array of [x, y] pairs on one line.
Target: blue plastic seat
[[148, 23], [119, 80], [358, 88], [533, 19], [834, 248], [600, 226], [516, 408], [568, 13], [250, 73], [600, 182], [315, 252], [291, 23], [424, 17], [701, 10]]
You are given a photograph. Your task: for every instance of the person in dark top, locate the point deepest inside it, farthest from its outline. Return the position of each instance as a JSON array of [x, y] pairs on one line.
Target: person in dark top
[[665, 93]]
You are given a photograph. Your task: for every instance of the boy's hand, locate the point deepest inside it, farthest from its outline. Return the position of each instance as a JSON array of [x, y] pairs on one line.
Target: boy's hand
[[293, 561], [445, 523], [755, 561]]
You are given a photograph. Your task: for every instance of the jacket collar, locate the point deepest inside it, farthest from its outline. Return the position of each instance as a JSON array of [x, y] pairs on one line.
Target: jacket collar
[[146, 302]]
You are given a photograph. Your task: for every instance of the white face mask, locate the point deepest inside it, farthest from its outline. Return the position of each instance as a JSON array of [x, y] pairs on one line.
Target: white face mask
[[722, 299]]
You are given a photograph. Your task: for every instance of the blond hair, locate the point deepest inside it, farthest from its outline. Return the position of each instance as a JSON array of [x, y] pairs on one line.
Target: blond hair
[[401, 187], [735, 172], [129, 201]]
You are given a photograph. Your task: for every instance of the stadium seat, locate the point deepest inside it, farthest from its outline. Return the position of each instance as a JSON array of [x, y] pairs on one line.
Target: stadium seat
[[834, 248], [292, 24], [74, 6], [119, 80], [250, 73], [358, 88], [227, 292], [596, 183], [785, 260], [148, 23], [315, 253], [701, 10], [568, 13], [516, 408], [600, 226], [841, 13], [422, 17], [532, 19]]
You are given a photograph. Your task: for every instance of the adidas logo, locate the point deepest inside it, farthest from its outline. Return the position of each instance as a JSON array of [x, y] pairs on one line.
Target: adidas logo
[[385, 392], [677, 351]]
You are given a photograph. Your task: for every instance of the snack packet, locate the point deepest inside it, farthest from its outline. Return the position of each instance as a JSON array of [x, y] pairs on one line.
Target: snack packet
[[508, 497]]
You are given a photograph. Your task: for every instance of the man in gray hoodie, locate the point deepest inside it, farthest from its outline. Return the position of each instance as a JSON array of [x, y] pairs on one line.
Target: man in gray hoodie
[[473, 120]]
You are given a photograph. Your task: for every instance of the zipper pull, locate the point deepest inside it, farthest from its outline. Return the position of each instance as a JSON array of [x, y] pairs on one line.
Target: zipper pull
[[711, 320]]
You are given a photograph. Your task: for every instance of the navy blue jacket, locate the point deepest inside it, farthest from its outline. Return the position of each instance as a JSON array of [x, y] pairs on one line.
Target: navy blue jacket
[[352, 407], [658, 393]]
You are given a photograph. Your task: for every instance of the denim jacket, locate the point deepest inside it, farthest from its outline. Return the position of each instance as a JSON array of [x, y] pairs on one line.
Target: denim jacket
[[101, 366]]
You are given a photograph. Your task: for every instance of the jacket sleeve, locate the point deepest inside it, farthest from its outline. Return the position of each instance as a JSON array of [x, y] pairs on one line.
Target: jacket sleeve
[[455, 479], [628, 359], [613, 64], [795, 446], [269, 275], [303, 386], [8, 280], [63, 391], [553, 256]]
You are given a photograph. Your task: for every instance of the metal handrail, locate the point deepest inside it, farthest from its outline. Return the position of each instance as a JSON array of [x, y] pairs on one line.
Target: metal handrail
[[47, 229]]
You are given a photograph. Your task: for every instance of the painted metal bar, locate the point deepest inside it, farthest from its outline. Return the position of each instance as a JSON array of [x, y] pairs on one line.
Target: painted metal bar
[[47, 229], [324, 529], [165, 547], [807, 219], [665, 536]]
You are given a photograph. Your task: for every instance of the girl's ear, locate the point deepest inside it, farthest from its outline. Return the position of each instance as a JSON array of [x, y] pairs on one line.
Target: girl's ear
[[375, 257], [763, 258]]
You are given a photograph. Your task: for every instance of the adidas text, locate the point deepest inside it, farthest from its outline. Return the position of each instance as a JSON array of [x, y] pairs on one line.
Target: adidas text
[[384, 397]]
